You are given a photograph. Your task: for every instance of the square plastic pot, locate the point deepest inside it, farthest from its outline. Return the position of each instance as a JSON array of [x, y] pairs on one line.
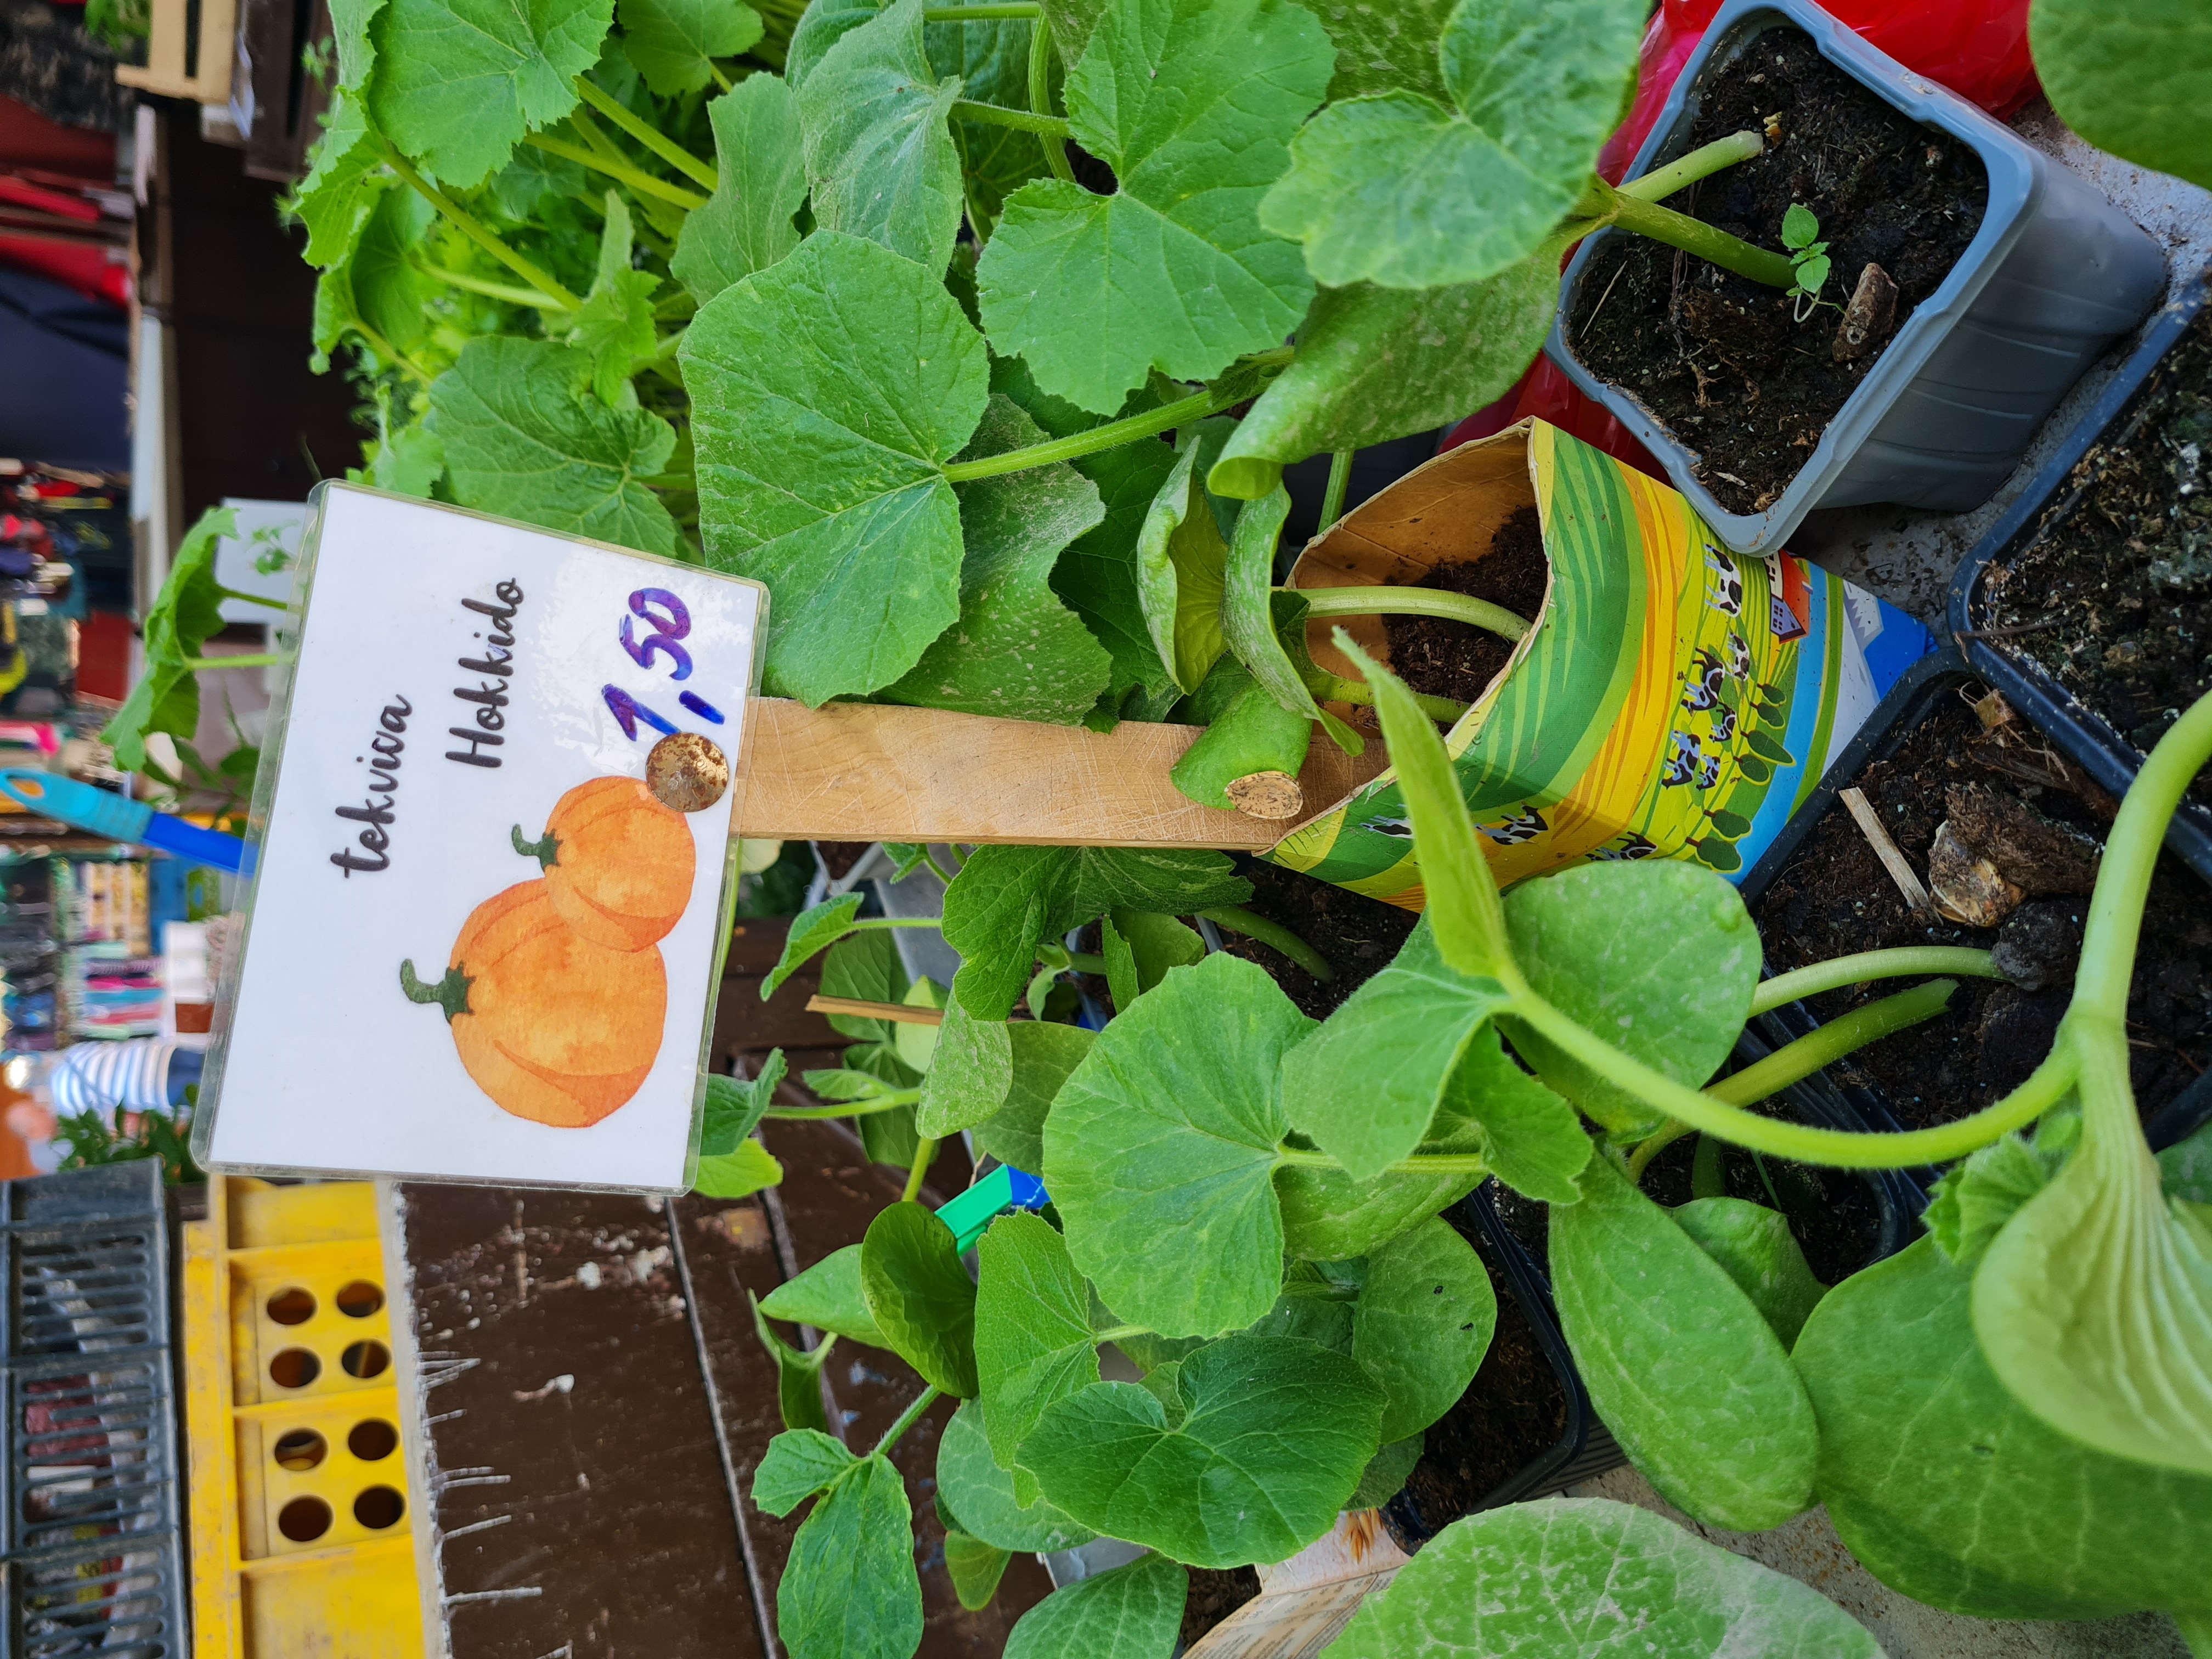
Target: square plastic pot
[[2054, 275], [1928, 684], [2081, 734]]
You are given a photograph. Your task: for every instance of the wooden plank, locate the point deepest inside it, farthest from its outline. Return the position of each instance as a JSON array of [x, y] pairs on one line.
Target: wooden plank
[[876, 772]]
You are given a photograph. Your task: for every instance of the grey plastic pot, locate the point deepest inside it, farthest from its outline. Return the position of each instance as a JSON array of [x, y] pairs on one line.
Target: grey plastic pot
[[2054, 275]]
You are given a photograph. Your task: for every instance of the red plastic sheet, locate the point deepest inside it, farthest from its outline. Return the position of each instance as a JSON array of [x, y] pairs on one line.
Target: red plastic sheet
[[1977, 48]]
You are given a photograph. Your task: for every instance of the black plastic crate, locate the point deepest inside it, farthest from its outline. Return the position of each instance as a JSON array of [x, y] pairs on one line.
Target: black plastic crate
[[89, 1535]]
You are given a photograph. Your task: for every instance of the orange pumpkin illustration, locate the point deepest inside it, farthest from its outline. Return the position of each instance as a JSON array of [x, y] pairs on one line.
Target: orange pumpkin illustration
[[554, 1027], [618, 864]]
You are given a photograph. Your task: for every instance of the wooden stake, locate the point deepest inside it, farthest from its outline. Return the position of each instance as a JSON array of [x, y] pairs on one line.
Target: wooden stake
[[1892, 860], [878, 772], [902, 1014]]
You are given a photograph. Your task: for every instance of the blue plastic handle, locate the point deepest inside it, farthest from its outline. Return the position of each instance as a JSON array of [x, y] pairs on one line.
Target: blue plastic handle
[[102, 812]]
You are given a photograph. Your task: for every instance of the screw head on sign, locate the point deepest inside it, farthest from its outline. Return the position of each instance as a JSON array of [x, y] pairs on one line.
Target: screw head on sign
[[687, 772]]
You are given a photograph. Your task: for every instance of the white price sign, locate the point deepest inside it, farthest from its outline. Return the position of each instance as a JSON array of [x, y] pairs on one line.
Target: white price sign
[[494, 858]]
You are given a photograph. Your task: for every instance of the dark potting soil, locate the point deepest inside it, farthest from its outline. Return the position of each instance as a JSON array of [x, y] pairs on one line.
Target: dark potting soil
[[1452, 660], [1512, 1413], [1357, 935], [1215, 1593], [2114, 595], [1836, 898], [1721, 361]]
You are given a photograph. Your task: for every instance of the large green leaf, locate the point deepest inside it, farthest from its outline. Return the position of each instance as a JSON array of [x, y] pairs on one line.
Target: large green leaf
[[1365, 1087], [520, 443], [975, 1568], [849, 1587], [1681, 1366], [1034, 1343], [1140, 947], [1953, 1493], [992, 60], [981, 1494], [1660, 958], [746, 225], [1161, 1149], [1532, 1139], [1383, 45], [1098, 576], [1588, 1579], [879, 155], [828, 390], [2094, 1305], [2185, 1168], [673, 42], [1006, 900], [1274, 1434], [920, 1295], [1399, 190], [344, 178], [828, 1296], [1180, 557], [166, 696], [1754, 1248], [1016, 650], [1327, 1216], [798, 1463], [1043, 1055], [458, 82], [821, 27], [1192, 103], [387, 289], [1378, 363], [745, 1169], [810, 932], [1072, 22], [1422, 1325], [1134, 1612], [2134, 80], [356, 53], [969, 1073]]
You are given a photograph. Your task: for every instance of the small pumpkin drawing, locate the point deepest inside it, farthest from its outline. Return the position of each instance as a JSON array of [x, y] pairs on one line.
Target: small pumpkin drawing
[[618, 864], [552, 1025]]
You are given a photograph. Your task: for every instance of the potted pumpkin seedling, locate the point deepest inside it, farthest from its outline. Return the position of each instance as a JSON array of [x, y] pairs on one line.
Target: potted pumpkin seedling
[[1210, 1109]]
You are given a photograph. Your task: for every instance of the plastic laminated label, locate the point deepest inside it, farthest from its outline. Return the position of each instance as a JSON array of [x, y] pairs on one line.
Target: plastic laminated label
[[492, 859], [1671, 699]]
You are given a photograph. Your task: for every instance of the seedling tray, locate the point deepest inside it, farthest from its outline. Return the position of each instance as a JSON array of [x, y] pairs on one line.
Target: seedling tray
[[2084, 736]]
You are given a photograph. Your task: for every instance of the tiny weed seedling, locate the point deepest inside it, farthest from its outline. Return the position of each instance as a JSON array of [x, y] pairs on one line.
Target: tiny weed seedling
[[1808, 258]]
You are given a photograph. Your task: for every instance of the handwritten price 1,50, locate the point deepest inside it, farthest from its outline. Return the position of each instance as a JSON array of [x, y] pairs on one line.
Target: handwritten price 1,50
[[667, 621]]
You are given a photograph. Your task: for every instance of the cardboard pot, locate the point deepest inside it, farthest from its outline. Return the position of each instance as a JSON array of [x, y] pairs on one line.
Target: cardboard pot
[[1670, 700]]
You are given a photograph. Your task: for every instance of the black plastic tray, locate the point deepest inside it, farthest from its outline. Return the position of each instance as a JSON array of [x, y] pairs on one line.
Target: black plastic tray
[[2079, 732], [1918, 693]]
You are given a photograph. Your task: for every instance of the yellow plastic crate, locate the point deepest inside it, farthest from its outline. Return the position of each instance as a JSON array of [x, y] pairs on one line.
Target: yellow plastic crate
[[301, 1510]]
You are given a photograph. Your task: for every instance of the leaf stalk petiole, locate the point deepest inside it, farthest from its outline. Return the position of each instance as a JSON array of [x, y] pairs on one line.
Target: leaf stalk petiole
[[907, 1419], [1050, 126], [1866, 965], [667, 149], [1414, 602], [470, 226]]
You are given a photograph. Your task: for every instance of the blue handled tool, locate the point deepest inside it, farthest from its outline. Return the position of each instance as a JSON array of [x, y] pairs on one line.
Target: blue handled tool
[[119, 818]]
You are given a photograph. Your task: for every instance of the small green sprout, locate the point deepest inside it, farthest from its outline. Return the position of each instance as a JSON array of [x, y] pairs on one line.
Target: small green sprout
[[1808, 258]]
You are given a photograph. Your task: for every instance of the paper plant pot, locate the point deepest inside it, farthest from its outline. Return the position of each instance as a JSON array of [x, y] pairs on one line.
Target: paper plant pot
[[2055, 273], [1671, 699]]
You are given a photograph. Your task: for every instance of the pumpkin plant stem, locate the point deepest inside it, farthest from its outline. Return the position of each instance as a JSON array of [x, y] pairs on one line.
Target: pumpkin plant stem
[[1419, 1164], [1332, 497], [621, 172], [1112, 435], [450, 993], [470, 226], [1327, 688], [667, 149], [897, 922], [1703, 162], [1237, 919], [907, 1419], [259, 659], [1055, 149], [251, 598], [925, 1154], [1008, 14], [491, 290], [1834, 974], [1413, 602], [1049, 127], [1692, 235], [872, 1104]]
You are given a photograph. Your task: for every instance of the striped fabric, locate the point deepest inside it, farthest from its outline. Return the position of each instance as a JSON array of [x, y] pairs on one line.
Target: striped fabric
[[100, 1077]]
